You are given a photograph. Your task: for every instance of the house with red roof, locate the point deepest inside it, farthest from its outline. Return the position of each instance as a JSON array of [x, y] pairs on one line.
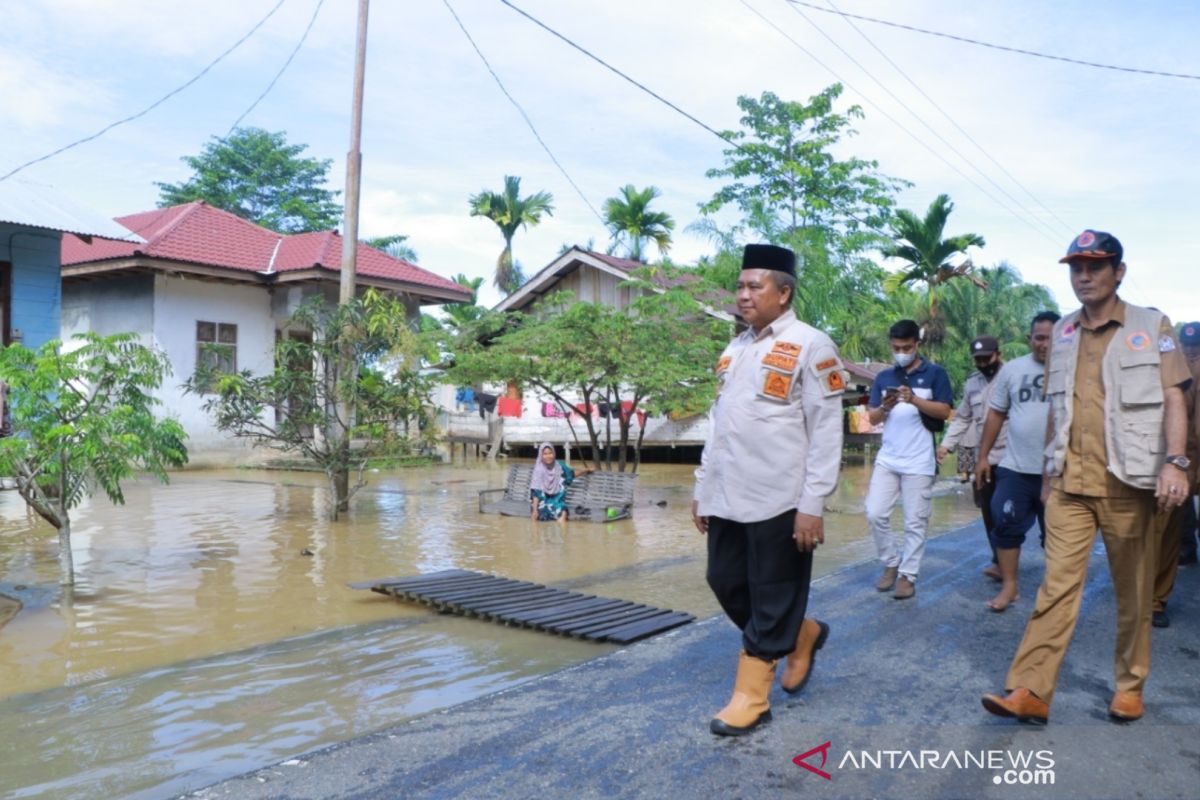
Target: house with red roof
[[199, 275]]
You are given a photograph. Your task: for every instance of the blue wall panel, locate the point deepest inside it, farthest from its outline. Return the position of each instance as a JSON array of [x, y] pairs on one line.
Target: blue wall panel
[[36, 304]]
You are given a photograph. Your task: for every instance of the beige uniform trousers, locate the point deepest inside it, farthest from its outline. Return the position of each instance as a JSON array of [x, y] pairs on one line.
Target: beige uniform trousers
[[1126, 523], [1168, 527]]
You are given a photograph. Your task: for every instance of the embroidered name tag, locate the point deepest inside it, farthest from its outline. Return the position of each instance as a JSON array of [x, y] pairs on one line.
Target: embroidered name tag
[[776, 384], [828, 363], [723, 364], [779, 360], [786, 347]]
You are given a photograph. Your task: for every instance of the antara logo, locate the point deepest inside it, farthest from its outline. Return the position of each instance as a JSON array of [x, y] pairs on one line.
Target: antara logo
[[823, 749]]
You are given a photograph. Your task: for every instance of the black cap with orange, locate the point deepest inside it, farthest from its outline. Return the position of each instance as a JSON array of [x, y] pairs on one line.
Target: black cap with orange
[[1094, 244]]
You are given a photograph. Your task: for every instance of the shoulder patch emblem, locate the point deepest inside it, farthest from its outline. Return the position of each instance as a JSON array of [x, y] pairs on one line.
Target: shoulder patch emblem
[[786, 347], [723, 363], [828, 363], [777, 384], [835, 381], [780, 361], [1137, 340], [1166, 344]]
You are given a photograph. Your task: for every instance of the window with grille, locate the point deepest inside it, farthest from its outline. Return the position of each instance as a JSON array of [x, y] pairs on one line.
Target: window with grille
[[216, 346]]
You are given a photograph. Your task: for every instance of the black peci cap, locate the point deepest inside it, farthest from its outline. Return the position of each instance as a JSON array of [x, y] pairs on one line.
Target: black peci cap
[[769, 256], [1094, 244]]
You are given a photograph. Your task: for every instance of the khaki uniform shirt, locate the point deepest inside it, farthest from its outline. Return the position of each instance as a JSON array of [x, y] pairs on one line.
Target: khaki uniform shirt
[[1086, 469], [775, 430], [966, 429]]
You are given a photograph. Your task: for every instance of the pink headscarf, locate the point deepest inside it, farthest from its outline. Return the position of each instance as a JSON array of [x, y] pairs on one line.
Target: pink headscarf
[[548, 479]]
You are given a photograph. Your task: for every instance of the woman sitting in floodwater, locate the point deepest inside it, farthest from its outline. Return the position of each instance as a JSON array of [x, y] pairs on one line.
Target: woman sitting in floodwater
[[548, 487]]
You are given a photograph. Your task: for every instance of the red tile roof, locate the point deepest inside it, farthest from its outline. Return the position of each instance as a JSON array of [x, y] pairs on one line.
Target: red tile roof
[[197, 233]]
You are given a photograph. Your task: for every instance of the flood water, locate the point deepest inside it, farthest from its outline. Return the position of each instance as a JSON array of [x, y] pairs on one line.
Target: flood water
[[203, 641]]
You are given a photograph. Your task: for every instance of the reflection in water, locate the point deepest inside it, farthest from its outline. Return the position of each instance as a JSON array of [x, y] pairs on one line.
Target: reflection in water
[[203, 643]]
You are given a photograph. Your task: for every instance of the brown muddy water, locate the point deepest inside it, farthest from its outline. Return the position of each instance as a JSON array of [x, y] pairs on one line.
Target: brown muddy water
[[202, 643]]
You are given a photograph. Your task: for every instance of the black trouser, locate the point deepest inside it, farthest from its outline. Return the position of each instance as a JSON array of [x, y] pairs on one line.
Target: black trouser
[[761, 581], [983, 501]]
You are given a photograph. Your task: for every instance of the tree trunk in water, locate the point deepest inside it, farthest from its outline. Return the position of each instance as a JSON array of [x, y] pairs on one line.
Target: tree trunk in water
[[341, 488], [66, 561]]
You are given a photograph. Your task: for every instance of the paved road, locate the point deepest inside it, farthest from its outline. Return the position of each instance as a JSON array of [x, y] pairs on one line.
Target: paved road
[[896, 678]]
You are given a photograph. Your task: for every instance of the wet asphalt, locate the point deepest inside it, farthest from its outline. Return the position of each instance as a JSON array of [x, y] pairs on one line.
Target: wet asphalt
[[893, 705]]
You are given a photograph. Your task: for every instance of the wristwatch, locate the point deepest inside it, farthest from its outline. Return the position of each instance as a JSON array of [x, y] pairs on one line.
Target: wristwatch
[[1182, 462]]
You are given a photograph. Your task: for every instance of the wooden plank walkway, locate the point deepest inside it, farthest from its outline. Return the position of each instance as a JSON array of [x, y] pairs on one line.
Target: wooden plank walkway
[[531, 605]]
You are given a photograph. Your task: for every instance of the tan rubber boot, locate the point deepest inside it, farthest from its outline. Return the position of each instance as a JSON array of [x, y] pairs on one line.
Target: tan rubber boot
[[748, 708], [798, 666]]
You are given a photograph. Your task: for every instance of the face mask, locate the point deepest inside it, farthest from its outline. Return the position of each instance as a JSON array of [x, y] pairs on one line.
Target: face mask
[[903, 360], [990, 370]]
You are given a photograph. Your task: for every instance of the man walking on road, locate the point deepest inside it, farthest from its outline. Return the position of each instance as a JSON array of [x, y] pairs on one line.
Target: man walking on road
[[912, 400], [1016, 424], [966, 430], [772, 457], [1115, 380]]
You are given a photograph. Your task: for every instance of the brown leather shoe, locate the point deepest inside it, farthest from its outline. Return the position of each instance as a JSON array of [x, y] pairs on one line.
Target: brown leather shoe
[[798, 666], [888, 579], [1126, 706], [904, 589], [1020, 703], [748, 707]]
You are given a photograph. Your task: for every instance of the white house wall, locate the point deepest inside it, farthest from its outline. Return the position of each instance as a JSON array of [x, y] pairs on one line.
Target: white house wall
[[179, 304], [531, 428], [122, 304]]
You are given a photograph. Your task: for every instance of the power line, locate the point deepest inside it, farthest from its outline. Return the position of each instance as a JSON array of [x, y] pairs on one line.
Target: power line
[[723, 137], [993, 46], [893, 120], [618, 72], [919, 118], [953, 121], [153, 105], [524, 116], [282, 69]]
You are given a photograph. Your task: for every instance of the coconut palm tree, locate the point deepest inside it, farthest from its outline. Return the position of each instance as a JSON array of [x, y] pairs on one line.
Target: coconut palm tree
[[919, 242], [510, 211], [632, 223]]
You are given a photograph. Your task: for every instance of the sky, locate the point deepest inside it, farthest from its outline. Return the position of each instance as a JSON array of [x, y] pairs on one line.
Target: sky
[[1031, 151]]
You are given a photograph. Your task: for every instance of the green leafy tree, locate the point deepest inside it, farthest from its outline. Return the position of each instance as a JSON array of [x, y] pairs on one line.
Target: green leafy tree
[[298, 406], [632, 223], [84, 418], [1003, 309], [260, 177], [785, 177], [655, 355], [510, 212], [921, 243], [396, 246]]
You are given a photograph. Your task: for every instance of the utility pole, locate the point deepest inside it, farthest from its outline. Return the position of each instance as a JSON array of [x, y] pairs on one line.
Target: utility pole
[[347, 370], [354, 163]]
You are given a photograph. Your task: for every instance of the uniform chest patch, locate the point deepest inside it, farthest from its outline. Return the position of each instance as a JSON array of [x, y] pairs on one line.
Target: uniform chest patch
[[776, 384], [1067, 332], [780, 361], [787, 348], [723, 364], [1137, 340]]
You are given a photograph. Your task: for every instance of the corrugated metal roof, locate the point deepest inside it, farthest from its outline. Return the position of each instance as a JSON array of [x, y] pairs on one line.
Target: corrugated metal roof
[[40, 206]]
